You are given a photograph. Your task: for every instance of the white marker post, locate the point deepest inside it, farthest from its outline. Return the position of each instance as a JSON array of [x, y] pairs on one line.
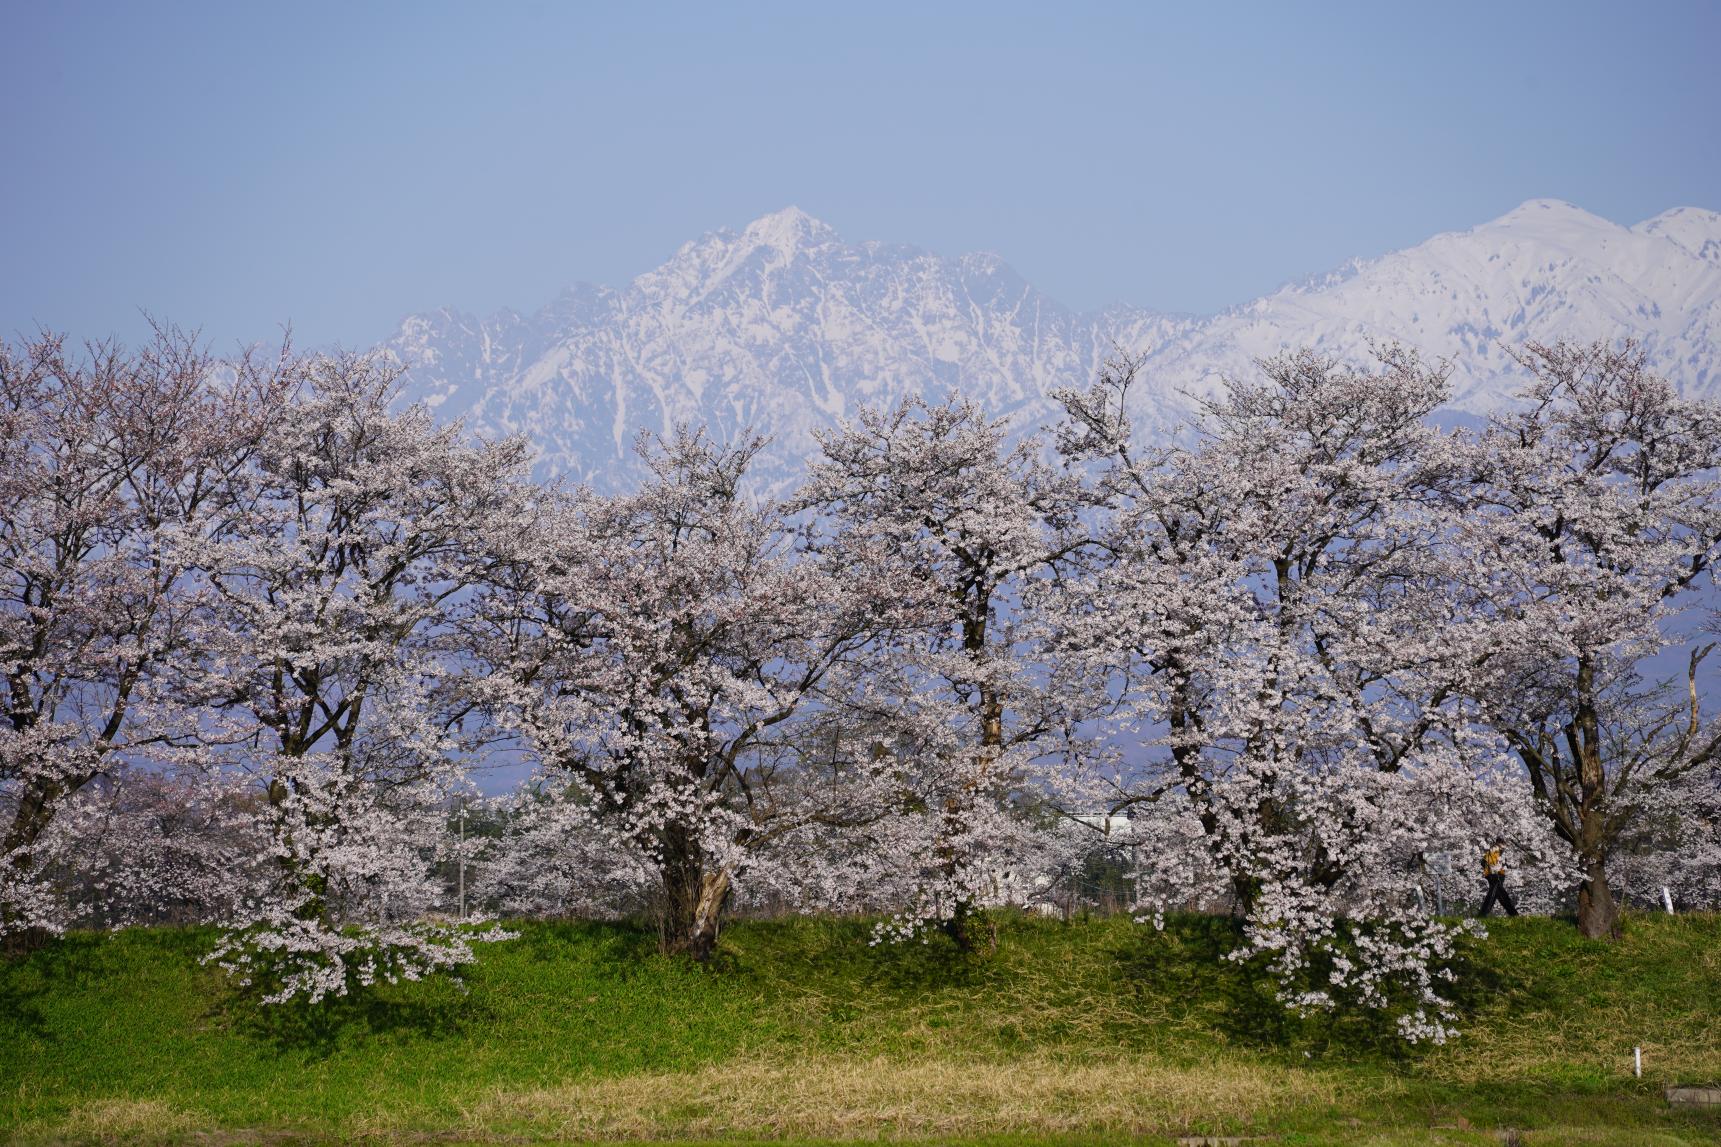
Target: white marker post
[[1667, 899], [1637, 1061]]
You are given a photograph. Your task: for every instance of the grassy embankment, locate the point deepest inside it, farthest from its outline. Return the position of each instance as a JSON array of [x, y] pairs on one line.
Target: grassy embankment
[[1088, 1033]]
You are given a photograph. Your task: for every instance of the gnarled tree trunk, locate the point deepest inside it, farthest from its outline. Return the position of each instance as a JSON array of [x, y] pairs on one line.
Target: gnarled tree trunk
[[691, 912]]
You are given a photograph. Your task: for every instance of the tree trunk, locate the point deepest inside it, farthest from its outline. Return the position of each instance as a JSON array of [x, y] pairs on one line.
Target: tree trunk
[[691, 913], [35, 810], [961, 924], [1598, 915]]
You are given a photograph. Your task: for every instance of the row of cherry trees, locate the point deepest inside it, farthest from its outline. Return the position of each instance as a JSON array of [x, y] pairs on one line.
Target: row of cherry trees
[[261, 628]]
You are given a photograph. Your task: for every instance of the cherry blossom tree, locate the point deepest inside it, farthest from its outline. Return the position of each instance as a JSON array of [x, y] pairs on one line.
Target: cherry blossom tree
[[1273, 616], [1593, 511], [665, 658], [322, 614], [114, 464], [931, 499]]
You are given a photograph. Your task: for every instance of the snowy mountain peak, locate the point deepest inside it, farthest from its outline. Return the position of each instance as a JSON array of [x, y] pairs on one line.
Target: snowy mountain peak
[[1692, 228], [1550, 217], [783, 327], [789, 230], [1554, 208]]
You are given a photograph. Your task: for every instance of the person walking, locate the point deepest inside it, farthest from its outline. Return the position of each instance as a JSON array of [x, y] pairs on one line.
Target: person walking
[[1494, 867]]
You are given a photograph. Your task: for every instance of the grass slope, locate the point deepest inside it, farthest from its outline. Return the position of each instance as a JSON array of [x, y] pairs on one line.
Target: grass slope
[[1084, 1033]]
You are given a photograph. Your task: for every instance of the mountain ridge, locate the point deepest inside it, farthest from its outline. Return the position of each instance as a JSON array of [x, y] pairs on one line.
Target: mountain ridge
[[785, 327]]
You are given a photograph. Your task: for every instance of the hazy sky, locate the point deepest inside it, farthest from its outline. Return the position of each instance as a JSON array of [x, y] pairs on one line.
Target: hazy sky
[[237, 166]]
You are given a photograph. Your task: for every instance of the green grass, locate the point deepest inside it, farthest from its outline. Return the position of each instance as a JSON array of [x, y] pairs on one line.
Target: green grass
[[800, 1031]]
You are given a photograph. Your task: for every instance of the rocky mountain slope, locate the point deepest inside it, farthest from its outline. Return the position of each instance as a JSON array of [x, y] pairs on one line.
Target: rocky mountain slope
[[786, 327]]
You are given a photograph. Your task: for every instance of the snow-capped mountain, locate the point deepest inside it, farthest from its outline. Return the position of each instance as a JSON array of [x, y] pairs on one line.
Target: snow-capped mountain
[[1543, 271], [785, 327]]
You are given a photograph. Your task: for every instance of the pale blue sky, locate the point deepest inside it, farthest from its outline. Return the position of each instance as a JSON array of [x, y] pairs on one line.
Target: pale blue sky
[[236, 166]]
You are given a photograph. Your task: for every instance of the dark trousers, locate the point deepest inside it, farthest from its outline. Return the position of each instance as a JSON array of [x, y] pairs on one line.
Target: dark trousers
[[1497, 891]]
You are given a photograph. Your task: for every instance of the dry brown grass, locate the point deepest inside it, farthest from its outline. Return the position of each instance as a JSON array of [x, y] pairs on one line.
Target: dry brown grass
[[880, 1098], [118, 1120]]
